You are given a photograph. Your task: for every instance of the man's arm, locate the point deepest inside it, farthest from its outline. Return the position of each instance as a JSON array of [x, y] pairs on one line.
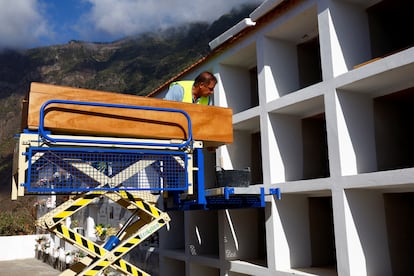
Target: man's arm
[[175, 93]]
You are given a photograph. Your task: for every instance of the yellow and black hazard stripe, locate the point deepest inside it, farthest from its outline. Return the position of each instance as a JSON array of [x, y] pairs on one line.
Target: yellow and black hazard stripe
[[120, 264], [98, 257], [76, 206], [129, 268], [123, 198], [149, 208], [128, 199], [138, 237], [125, 247], [100, 264], [83, 242], [126, 195], [94, 250]]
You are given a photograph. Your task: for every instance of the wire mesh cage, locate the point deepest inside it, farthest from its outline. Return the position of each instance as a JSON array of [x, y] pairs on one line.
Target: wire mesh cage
[[66, 170]]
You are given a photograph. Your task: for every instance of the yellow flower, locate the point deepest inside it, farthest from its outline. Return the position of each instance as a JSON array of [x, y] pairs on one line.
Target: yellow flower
[[100, 230]]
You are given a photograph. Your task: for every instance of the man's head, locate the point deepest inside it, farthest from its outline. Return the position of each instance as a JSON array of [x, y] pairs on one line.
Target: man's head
[[204, 84]]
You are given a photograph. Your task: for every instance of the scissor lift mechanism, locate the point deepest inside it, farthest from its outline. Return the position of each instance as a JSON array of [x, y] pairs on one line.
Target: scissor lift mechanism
[[130, 172]]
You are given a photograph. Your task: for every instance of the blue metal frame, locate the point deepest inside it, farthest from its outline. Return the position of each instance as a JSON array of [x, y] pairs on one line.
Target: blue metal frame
[[43, 133], [232, 200], [31, 150], [228, 200], [201, 197], [276, 192]]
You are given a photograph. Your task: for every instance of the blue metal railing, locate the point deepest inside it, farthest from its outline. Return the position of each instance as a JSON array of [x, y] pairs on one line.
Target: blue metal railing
[[44, 134], [80, 169], [87, 166]]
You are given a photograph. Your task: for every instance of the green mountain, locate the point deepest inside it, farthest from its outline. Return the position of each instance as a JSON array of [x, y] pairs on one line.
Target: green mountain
[[134, 65]]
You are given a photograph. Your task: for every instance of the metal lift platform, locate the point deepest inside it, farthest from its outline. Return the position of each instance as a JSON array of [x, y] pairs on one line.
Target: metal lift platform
[[134, 173]]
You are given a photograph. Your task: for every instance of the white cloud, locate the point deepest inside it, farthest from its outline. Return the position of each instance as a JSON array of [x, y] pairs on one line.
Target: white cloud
[[128, 17], [21, 23], [30, 23]]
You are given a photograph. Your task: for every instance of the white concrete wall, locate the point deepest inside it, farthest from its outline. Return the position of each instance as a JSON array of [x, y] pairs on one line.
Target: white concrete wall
[[17, 247], [344, 97]]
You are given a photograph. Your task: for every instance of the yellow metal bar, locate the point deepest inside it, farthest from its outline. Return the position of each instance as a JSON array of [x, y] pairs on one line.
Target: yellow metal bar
[[67, 209], [127, 245], [149, 220], [92, 249]]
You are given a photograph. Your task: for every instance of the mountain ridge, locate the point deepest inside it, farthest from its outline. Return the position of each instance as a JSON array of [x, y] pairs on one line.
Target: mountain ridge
[[133, 65]]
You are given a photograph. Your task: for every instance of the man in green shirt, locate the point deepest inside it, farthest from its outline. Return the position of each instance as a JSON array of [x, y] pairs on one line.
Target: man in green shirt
[[197, 91]]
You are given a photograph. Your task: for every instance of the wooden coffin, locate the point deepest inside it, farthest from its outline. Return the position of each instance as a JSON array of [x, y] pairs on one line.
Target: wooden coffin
[[210, 124]]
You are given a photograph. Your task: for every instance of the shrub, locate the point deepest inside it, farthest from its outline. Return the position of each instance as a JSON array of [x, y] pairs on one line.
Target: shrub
[[16, 224], [18, 219]]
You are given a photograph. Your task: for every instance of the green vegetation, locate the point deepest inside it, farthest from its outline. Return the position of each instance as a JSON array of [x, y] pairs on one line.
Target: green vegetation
[[19, 220]]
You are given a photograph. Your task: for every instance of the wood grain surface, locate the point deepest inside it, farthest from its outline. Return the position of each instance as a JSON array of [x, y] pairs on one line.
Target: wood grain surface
[[210, 124]]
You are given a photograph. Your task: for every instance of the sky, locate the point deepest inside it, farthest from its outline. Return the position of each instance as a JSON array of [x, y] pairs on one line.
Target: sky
[[35, 23]]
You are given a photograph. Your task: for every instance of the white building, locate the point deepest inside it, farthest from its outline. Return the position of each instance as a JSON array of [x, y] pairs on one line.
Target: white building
[[322, 95]]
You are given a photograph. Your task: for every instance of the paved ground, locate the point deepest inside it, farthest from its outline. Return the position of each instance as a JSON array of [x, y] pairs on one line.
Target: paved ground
[[32, 267]]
